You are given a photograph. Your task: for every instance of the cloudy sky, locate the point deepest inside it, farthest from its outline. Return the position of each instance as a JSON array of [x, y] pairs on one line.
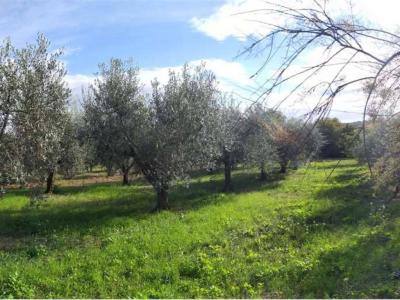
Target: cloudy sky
[[162, 34]]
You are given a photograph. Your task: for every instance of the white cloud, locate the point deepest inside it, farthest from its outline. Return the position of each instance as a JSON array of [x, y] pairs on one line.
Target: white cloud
[[347, 106], [244, 18], [76, 83], [232, 76], [230, 20], [229, 74]]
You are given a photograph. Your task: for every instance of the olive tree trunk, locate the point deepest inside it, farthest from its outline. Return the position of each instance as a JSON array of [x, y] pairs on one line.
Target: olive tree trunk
[[227, 171], [263, 174], [283, 165], [125, 180], [109, 170], [50, 182], [162, 198]]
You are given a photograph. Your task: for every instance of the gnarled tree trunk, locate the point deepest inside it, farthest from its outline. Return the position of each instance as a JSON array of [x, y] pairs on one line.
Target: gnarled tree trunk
[[109, 170], [125, 180], [227, 170], [283, 165], [162, 198], [263, 174], [50, 182]]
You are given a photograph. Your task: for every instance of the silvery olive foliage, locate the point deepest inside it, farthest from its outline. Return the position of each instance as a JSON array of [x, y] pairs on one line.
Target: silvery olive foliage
[[387, 167], [272, 138], [172, 135], [377, 137], [383, 142], [33, 105], [42, 105], [72, 153], [87, 148], [230, 124], [8, 86], [176, 139], [165, 134], [113, 99], [229, 136], [260, 147], [8, 109]]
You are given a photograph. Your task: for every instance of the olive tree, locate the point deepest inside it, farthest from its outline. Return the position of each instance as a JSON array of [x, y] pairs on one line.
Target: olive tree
[[273, 138], [114, 98], [260, 150], [8, 86], [387, 166], [377, 137], [383, 141], [86, 144], [72, 153], [41, 101], [171, 136], [8, 109], [349, 54], [296, 142], [228, 134]]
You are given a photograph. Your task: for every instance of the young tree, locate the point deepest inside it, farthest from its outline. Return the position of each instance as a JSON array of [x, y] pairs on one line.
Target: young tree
[[41, 105], [112, 100]]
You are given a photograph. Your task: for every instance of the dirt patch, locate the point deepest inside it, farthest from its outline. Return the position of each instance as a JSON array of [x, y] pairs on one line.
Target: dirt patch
[[8, 243], [88, 180]]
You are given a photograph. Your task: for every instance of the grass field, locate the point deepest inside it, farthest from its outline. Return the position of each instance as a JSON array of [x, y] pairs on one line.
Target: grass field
[[302, 236]]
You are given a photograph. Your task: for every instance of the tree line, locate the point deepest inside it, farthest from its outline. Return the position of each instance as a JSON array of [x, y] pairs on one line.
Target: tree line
[[163, 133]]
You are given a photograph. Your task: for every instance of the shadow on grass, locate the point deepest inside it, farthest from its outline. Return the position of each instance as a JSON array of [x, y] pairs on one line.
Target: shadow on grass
[[77, 189], [360, 266], [135, 201], [362, 269], [200, 193], [77, 216], [351, 198], [334, 163]]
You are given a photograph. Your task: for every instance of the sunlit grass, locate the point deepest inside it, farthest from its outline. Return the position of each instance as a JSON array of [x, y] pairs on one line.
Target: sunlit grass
[[299, 236]]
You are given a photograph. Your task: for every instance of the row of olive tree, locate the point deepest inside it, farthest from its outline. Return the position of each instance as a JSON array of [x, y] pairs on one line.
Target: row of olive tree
[[164, 134], [265, 137], [183, 125]]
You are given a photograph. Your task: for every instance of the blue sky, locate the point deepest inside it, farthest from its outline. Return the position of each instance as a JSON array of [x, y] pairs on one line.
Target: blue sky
[[159, 35], [154, 33]]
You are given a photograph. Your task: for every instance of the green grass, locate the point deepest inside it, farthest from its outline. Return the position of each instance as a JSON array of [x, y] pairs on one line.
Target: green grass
[[302, 236]]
